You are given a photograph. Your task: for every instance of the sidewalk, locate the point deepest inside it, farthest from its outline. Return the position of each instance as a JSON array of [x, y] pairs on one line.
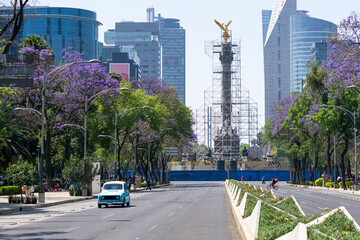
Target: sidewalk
[[348, 194], [51, 199]]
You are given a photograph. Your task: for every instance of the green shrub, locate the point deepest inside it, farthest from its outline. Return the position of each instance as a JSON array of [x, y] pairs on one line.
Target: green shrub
[[57, 181], [319, 182], [36, 188], [9, 190], [347, 183], [78, 192], [143, 184], [305, 183], [311, 183], [330, 184], [71, 191]]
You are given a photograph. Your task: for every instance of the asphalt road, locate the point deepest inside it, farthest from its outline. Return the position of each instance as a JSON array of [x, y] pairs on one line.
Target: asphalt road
[[313, 201], [185, 210]]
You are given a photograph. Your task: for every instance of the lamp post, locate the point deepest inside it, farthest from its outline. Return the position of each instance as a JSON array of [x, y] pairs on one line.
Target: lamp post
[[353, 116]]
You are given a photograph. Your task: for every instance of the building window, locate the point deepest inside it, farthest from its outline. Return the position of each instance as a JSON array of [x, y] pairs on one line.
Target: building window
[[278, 41], [279, 68], [279, 82], [279, 55], [279, 93]]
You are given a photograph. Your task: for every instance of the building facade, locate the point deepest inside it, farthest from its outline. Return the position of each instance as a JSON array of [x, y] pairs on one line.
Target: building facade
[[172, 40], [61, 28], [277, 52], [304, 32], [320, 52], [144, 36]]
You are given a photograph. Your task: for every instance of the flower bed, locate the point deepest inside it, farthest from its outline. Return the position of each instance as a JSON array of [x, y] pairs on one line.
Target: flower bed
[[250, 205], [336, 226], [289, 206]]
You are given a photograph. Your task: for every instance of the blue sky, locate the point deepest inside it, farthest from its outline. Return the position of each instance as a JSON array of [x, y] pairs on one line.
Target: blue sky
[[197, 17]]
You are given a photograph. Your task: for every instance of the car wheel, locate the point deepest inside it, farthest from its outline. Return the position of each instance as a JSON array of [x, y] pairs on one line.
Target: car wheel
[[99, 205], [106, 205]]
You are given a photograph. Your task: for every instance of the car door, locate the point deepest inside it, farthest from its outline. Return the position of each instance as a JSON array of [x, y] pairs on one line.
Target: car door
[[126, 192]]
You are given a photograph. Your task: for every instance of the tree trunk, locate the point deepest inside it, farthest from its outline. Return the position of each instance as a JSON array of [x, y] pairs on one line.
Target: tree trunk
[[328, 158], [342, 163]]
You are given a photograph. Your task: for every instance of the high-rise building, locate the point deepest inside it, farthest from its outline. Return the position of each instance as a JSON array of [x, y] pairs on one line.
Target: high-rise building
[[277, 52], [144, 36], [320, 52], [61, 28], [172, 40], [304, 31]]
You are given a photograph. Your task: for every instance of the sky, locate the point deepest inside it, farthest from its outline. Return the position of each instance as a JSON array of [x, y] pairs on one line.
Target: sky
[[197, 18]]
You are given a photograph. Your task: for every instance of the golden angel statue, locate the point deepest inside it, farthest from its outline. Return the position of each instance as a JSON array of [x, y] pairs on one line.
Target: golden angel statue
[[225, 29]]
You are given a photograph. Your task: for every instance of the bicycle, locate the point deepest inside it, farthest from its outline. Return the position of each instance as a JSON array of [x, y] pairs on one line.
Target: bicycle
[[275, 187]]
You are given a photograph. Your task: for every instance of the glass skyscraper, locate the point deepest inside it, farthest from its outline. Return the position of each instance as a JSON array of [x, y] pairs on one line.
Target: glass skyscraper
[[61, 28], [172, 40], [304, 31], [277, 52]]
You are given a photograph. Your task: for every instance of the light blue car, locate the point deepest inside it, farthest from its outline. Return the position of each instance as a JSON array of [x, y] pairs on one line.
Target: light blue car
[[114, 193]]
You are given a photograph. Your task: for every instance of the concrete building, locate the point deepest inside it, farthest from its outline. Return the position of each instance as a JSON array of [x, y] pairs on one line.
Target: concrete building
[[277, 52], [320, 52], [61, 28], [304, 31]]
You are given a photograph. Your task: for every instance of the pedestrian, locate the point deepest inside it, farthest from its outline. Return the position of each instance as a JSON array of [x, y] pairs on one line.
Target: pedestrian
[[263, 180], [242, 178]]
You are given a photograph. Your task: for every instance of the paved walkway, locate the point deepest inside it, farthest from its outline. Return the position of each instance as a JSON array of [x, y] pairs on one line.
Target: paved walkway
[[51, 199]]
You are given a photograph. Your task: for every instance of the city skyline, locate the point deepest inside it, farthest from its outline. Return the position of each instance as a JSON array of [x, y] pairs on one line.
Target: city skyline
[[197, 18]]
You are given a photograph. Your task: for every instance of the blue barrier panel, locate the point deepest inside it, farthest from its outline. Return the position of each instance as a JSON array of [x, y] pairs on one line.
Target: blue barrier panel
[[221, 175]]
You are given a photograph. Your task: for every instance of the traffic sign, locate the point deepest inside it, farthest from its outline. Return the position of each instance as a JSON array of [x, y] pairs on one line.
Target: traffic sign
[[171, 151]]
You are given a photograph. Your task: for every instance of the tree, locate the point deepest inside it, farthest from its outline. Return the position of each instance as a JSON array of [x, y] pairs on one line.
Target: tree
[[13, 24], [20, 174], [74, 171]]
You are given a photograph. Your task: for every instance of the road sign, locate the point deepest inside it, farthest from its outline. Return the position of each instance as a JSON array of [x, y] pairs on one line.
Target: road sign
[[293, 170], [171, 151], [281, 153]]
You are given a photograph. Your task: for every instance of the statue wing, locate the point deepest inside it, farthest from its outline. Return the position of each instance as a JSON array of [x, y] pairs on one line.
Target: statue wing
[[228, 24], [219, 24]]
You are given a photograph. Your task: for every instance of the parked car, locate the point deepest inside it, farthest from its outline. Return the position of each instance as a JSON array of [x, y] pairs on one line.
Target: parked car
[[114, 193], [1, 180]]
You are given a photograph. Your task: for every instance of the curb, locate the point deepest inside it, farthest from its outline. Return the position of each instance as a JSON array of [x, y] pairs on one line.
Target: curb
[[331, 192], [40, 205]]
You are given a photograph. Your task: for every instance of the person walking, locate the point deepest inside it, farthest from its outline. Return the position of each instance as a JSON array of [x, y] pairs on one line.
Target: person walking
[[263, 180]]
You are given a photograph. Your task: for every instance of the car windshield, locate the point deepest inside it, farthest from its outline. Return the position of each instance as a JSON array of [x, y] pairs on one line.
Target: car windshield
[[113, 186]]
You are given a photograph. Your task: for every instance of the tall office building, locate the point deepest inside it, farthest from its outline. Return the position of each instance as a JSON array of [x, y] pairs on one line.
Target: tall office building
[[320, 51], [172, 40], [277, 52], [61, 28], [304, 31], [144, 36]]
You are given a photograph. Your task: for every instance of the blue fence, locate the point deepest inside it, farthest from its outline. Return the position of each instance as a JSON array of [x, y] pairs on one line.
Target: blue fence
[[222, 175]]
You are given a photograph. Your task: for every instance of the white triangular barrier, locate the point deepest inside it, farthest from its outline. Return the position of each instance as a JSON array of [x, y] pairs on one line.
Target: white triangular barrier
[[241, 207], [299, 233], [253, 220], [237, 197]]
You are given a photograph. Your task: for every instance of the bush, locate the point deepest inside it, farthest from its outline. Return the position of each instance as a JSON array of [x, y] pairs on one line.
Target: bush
[[330, 184], [9, 190], [311, 183], [27, 200], [71, 191], [347, 183], [36, 188], [305, 183], [319, 182], [57, 181]]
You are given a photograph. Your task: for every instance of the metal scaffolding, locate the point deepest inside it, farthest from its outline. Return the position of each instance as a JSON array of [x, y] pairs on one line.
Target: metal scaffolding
[[243, 122]]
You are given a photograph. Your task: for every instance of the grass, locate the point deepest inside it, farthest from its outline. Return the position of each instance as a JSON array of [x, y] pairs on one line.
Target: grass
[[336, 226], [250, 205], [290, 206]]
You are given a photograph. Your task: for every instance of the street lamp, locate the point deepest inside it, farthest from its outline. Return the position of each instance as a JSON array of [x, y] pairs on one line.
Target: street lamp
[[353, 116], [115, 133]]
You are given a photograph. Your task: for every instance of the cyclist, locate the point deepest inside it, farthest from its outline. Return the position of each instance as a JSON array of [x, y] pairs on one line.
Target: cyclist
[[274, 181]]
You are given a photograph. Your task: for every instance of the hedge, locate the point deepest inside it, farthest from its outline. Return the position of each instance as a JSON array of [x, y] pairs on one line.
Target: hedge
[[10, 190]]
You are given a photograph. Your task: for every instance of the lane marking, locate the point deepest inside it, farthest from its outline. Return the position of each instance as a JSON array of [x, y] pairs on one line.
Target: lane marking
[[170, 214], [181, 206], [320, 208], [108, 216], [147, 202], [153, 228], [303, 202], [345, 203], [71, 229]]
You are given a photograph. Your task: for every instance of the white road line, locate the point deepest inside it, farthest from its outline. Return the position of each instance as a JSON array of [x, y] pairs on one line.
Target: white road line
[[345, 203], [181, 206], [71, 229], [320, 208], [170, 214], [153, 228], [108, 216], [303, 202], [147, 202]]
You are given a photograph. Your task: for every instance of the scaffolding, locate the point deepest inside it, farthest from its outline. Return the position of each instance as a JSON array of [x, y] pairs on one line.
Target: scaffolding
[[210, 127]]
